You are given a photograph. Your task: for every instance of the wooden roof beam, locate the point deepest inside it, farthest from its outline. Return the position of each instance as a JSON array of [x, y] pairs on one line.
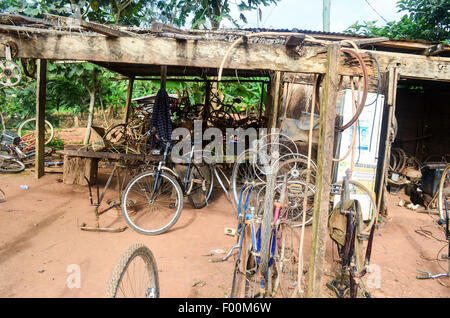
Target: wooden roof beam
[[166, 51], [434, 49], [150, 50]]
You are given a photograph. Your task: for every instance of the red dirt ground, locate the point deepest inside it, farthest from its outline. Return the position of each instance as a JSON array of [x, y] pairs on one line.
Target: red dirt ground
[[40, 238], [40, 233]]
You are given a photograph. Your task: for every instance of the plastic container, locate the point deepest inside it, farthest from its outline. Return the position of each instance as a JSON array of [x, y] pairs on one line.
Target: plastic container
[[431, 176]]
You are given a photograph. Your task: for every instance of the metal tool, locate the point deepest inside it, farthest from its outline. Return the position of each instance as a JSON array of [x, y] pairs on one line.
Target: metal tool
[[444, 257], [97, 204]]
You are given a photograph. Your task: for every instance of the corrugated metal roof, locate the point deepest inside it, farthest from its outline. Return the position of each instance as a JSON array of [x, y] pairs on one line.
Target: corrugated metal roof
[[295, 30]]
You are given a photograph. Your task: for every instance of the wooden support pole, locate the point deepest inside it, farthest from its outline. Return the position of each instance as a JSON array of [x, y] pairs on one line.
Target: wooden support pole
[[128, 101], [41, 84], [276, 88], [207, 108], [261, 102], [163, 76], [323, 176], [269, 102], [390, 101]]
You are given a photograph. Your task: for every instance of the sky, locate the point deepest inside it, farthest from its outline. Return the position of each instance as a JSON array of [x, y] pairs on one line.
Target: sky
[[307, 14]]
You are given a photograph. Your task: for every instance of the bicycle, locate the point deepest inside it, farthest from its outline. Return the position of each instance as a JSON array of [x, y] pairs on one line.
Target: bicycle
[[124, 282], [348, 232], [153, 200], [267, 263], [18, 149], [10, 164]]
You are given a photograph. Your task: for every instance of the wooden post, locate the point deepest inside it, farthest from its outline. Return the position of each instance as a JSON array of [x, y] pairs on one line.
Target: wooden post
[[207, 108], [41, 83], [390, 101], [163, 76], [276, 88], [128, 101], [323, 176], [261, 102]]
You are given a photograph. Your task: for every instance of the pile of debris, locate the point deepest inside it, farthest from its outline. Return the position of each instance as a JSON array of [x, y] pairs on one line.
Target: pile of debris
[[420, 181]]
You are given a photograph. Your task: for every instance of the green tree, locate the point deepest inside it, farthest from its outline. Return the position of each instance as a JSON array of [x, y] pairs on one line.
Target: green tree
[[425, 19], [210, 13]]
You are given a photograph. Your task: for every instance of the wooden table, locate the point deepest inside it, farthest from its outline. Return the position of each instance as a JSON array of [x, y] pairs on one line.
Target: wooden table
[[80, 164]]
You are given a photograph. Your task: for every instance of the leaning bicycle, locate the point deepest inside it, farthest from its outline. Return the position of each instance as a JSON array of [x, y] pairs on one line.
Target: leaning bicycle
[[153, 200]]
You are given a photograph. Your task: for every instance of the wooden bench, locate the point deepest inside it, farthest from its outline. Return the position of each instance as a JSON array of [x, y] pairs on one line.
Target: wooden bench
[[80, 164]]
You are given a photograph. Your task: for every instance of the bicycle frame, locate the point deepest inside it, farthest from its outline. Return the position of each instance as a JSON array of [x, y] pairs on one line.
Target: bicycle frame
[[186, 184], [347, 252]]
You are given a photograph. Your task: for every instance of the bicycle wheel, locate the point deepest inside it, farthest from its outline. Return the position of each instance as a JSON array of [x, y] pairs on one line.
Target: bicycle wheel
[[152, 216], [295, 169], [287, 261], [11, 165], [443, 191], [135, 275], [244, 173], [28, 128], [245, 279], [200, 185], [293, 212]]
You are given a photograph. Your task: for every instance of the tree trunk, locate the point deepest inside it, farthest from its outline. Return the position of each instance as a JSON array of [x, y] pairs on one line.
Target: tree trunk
[[90, 117]]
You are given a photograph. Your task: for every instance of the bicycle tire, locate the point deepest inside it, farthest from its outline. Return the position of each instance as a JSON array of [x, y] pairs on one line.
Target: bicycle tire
[[128, 204], [47, 123], [251, 175], [10, 165], [441, 191], [196, 198], [245, 283], [362, 102], [374, 218], [151, 290], [287, 258], [296, 176]]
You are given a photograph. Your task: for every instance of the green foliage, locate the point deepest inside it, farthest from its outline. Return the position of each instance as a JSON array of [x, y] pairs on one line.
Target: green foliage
[[56, 143], [425, 19], [18, 102], [68, 85]]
